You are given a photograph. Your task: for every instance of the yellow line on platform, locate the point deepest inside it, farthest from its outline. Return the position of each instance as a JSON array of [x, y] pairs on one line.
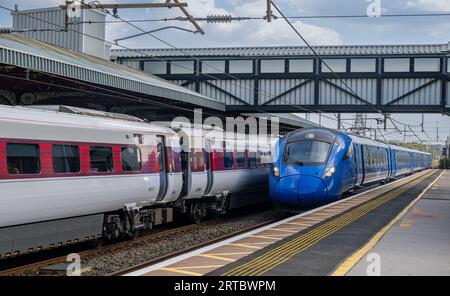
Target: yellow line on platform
[[182, 269], [230, 253], [268, 237], [245, 246], [185, 272], [299, 224], [312, 219], [283, 230], [216, 257], [351, 261]]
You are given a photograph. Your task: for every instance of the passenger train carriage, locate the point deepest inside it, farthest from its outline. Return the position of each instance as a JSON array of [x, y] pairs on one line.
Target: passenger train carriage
[[69, 174], [319, 165]]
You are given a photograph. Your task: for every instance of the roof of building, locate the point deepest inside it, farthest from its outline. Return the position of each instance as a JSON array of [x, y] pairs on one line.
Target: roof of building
[[413, 49], [38, 56]]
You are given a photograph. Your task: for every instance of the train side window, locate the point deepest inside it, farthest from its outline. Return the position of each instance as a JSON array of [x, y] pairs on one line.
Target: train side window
[[131, 159], [252, 160], [373, 157], [366, 155], [101, 159], [240, 159], [198, 161], [23, 159], [66, 159], [228, 159], [349, 152]]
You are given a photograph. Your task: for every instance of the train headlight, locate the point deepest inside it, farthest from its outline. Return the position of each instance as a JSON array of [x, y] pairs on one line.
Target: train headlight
[[330, 172], [276, 171]]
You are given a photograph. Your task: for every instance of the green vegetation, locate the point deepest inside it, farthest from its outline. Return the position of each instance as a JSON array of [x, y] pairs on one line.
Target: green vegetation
[[412, 145]]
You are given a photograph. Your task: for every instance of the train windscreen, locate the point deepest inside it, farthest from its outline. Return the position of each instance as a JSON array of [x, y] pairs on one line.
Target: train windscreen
[[306, 152], [308, 147]]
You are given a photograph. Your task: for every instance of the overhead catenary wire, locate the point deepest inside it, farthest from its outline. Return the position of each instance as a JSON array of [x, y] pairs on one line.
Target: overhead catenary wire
[[197, 59], [109, 42], [144, 32], [321, 59], [171, 62], [124, 47], [309, 111], [228, 74], [152, 57], [229, 18], [115, 94]]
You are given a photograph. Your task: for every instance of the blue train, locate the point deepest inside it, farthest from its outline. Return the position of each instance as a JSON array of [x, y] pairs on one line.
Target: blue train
[[318, 165]]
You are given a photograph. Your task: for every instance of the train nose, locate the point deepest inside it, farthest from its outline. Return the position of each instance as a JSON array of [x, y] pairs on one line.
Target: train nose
[[300, 189], [312, 190], [286, 190]]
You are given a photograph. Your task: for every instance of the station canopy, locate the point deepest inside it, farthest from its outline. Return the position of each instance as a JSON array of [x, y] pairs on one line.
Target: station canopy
[[33, 72], [37, 73]]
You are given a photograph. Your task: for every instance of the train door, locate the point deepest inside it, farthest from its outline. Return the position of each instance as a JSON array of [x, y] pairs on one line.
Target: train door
[[393, 163], [387, 161], [185, 156], [160, 140], [208, 160], [359, 165]]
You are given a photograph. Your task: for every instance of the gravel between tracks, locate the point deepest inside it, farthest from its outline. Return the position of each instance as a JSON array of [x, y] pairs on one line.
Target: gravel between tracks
[[147, 250]]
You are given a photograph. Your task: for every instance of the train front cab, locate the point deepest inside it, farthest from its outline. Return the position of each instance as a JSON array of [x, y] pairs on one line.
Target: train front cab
[[313, 166]]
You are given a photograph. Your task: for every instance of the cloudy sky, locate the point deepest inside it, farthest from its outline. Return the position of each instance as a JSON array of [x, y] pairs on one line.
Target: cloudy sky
[[259, 33], [325, 31]]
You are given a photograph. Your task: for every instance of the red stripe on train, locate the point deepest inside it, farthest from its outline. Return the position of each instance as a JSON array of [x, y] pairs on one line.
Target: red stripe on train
[[148, 157]]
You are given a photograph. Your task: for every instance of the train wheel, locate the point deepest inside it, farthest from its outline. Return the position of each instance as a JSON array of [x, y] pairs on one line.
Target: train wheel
[[198, 212]]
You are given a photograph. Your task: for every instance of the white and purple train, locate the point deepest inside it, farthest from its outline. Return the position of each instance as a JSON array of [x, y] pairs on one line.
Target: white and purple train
[[69, 175]]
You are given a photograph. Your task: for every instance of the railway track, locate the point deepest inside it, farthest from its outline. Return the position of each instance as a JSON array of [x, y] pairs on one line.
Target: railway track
[[35, 267]]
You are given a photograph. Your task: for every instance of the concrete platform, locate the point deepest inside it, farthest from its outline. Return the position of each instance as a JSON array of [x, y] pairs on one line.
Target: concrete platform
[[312, 243], [419, 243]]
